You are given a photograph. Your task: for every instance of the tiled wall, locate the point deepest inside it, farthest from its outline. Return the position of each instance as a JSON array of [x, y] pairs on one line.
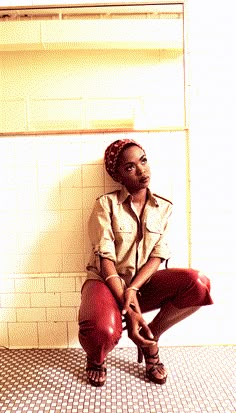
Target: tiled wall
[[79, 89], [48, 185], [212, 169]]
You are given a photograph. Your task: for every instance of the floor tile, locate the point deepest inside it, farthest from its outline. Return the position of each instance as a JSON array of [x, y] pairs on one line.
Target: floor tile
[[201, 379]]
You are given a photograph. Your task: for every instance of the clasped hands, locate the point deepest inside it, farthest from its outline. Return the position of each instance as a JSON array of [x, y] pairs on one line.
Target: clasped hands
[[138, 330]]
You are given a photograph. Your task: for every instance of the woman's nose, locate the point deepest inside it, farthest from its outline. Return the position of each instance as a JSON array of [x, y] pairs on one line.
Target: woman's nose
[[140, 169]]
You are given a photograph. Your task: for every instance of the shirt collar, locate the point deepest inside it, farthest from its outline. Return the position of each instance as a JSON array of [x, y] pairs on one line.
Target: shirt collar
[[124, 194]]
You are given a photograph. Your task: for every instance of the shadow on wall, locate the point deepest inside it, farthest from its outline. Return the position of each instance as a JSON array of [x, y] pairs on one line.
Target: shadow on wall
[[60, 246], [63, 245]]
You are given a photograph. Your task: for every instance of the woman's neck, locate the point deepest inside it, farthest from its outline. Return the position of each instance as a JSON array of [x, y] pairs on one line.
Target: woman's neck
[[139, 197]]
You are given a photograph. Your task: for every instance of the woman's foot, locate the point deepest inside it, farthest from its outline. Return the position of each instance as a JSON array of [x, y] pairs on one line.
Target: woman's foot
[[96, 373], [155, 371]]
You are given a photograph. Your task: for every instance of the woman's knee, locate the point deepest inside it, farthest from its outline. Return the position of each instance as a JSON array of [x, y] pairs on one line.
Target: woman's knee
[[100, 333], [199, 278], [197, 288]]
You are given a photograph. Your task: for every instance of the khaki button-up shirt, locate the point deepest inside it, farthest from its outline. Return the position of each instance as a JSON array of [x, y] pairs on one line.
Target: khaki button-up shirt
[[117, 233]]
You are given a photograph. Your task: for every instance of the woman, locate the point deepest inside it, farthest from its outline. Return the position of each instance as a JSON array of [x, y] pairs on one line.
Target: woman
[[128, 231]]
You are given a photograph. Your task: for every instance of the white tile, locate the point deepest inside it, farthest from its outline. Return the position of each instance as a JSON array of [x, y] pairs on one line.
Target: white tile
[[8, 199], [73, 334], [8, 242], [15, 300], [45, 300], [72, 220], [90, 195], [27, 221], [53, 335], [8, 176], [28, 263], [48, 176], [93, 150], [71, 198], [51, 263], [73, 263], [70, 152], [49, 199], [29, 285], [70, 299], [70, 176], [50, 242], [60, 284], [23, 335], [61, 314], [26, 176], [80, 281], [4, 335], [30, 314], [49, 220], [28, 242], [27, 198], [72, 242], [8, 263], [7, 285], [92, 175]]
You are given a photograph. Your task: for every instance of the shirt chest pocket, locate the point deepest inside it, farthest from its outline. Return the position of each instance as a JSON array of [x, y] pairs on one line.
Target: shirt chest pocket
[[122, 226], [123, 233], [154, 229]]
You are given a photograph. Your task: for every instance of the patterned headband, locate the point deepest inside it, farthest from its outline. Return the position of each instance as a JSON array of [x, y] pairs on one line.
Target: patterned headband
[[112, 154]]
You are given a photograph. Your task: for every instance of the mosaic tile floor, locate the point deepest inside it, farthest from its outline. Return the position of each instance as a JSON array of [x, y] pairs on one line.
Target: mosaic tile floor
[[201, 379]]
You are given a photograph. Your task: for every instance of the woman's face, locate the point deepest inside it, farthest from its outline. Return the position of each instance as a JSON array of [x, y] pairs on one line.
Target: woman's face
[[133, 170]]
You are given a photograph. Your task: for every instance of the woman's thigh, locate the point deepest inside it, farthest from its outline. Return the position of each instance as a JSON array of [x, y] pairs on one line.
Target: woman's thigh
[[98, 306], [183, 287]]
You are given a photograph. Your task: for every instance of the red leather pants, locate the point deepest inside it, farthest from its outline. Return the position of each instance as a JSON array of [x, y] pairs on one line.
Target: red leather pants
[[100, 321]]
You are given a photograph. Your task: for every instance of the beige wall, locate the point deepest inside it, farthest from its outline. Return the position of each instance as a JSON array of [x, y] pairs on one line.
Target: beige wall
[[87, 89], [48, 183], [48, 186]]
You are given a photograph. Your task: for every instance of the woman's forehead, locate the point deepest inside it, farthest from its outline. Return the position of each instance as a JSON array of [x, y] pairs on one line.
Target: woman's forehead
[[132, 154]]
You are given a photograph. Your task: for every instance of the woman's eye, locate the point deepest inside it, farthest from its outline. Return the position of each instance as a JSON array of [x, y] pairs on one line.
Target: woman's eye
[[144, 160], [129, 168]]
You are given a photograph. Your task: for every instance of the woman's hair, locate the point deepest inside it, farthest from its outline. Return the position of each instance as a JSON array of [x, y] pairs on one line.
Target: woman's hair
[[113, 153]]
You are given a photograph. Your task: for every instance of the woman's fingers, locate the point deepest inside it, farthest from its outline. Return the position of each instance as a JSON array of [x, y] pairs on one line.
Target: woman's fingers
[[146, 331], [141, 341], [138, 330], [131, 301]]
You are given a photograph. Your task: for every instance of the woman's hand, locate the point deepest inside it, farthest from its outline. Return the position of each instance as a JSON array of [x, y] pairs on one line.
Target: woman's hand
[[135, 321], [130, 301]]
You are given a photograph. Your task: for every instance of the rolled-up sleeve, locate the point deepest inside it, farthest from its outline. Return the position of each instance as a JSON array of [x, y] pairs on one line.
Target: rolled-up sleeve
[[161, 248], [100, 230]]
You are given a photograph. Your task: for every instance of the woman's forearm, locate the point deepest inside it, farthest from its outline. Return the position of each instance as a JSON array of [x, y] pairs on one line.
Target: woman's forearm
[[115, 284], [146, 272]]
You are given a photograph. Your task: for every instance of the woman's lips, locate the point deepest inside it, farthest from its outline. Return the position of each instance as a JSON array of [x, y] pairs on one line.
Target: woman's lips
[[144, 179]]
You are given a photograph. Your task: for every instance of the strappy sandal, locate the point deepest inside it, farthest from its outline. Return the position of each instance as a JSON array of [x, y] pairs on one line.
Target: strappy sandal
[[156, 365], [98, 368]]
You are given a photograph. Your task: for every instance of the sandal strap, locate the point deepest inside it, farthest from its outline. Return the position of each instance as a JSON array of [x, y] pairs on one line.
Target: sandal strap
[[154, 356], [155, 367], [95, 367], [143, 353]]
